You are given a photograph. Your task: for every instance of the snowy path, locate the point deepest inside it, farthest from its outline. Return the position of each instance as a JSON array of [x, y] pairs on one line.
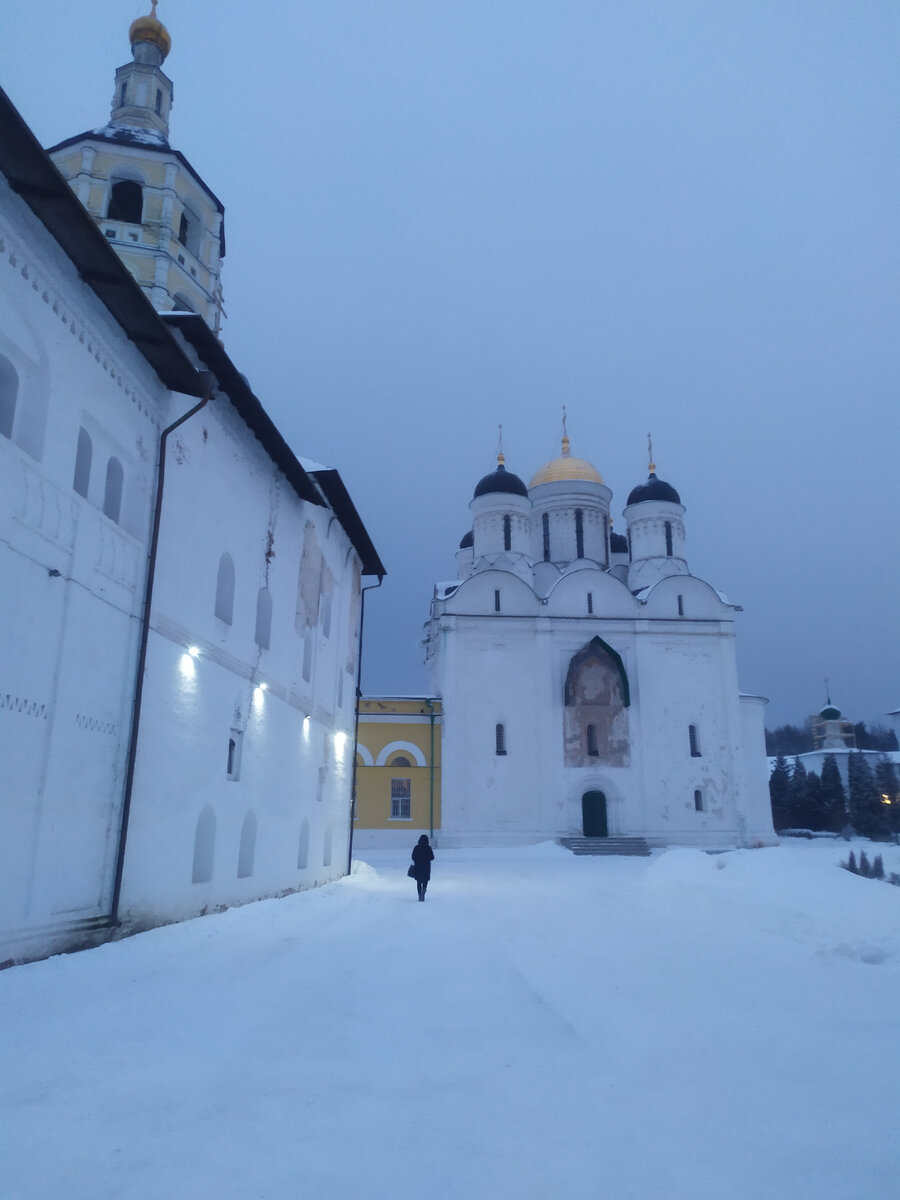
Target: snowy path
[[542, 1026]]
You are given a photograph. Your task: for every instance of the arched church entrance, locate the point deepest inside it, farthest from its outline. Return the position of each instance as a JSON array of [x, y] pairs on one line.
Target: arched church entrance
[[593, 815]]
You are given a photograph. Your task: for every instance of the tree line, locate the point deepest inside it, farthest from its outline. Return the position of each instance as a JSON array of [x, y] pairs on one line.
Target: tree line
[[797, 739], [870, 804]]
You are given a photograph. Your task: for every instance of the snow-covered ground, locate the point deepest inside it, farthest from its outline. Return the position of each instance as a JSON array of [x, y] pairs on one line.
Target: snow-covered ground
[[542, 1026]]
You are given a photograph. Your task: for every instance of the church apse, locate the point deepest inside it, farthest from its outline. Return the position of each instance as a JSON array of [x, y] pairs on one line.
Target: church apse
[[595, 724]]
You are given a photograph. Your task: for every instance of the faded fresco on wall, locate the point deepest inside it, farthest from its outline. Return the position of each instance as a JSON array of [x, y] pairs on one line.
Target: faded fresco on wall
[[595, 723]]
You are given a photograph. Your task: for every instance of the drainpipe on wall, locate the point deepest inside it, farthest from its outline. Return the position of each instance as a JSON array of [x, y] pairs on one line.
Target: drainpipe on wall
[[362, 617], [431, 773], [208, 383]]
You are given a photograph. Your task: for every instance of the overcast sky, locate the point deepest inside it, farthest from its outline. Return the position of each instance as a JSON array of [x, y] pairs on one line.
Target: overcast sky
[[676, 216]]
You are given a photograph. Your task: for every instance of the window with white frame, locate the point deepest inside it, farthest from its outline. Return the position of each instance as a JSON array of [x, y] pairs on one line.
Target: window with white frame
[[401, 793]]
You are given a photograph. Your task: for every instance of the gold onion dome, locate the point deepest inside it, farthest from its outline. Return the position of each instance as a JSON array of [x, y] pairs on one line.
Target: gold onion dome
[[149, 29], [565, 468]]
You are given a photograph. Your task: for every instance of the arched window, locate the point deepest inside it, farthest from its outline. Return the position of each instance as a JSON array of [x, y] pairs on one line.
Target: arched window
[[247, 851], [698, 800], [122, 94], [189, 230], [303, 846], [694, 738], [264, 618], [9, 390], [500, 739], [400, 760], [629, 545], [112, 489], [235, 746], [204, 846], [579, 533], [158, 101], [83, 456], [592, 748], [507, 533], [545, 527], [225, 589], [126, 202], [669, 538]]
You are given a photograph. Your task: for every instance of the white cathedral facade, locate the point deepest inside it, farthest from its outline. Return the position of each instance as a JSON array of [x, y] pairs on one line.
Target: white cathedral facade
[[588, 680], [180, 599]]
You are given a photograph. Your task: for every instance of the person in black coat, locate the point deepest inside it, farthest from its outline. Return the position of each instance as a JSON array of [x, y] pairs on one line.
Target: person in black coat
[[422, 857]]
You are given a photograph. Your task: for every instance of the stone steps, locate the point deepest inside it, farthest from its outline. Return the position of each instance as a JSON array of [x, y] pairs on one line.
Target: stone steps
[[607, 845]]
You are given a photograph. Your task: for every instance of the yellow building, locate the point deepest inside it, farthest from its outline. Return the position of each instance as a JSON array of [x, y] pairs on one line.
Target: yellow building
[[398, 763]]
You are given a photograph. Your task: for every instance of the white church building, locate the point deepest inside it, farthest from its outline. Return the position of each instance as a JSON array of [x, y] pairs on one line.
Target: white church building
[[588, 680], [180, 599]]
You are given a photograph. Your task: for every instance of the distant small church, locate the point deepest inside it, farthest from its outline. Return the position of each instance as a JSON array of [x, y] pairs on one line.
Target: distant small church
[[587, 679]]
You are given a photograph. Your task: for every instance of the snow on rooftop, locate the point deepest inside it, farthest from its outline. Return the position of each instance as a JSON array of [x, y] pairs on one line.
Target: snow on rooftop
[[310, 466]]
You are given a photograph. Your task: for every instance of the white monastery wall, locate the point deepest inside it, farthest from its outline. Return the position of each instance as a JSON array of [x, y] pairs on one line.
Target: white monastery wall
[[292, 735], [72, 584]]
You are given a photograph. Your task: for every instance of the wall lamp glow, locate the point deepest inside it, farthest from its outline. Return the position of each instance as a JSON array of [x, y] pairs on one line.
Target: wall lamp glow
[[186, 666], [340, 742], [259, 692], [194, 651]]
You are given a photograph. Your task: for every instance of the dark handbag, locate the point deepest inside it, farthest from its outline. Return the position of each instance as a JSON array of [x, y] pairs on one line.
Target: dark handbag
[[412, 871]]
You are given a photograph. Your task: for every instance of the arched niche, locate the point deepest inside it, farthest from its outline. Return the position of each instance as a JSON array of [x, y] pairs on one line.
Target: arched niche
[[597, 697], [204, 846]]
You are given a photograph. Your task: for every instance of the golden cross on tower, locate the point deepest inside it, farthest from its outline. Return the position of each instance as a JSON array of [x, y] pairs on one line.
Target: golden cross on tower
[[501, 458], [565, 435], [650, 454]]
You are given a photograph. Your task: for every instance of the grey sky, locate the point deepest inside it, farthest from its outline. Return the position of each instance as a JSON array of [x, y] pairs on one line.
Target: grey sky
[[677, 216]]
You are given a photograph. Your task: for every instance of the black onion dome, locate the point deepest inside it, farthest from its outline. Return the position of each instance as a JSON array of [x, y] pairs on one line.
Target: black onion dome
[[653, 489], [500, 480], [468, 539], [618, 543]]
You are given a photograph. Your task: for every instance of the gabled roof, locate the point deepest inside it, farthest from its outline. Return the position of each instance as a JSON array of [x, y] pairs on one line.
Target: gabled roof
[[344, 509], [320, 485], [212, 353], [33, 176]]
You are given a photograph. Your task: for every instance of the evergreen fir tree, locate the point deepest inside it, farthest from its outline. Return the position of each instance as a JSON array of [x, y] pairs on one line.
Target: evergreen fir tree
[[850, 864], [866, 808], [817, 814], [779, 782], [833, 799], [878, 867], [864, 868], [798, 797]]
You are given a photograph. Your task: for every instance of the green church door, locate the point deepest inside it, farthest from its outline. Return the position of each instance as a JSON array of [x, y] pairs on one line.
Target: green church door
[[593, 814]]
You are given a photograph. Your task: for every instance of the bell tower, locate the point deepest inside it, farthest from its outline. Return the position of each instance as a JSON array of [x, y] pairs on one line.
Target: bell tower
[[162, 220]]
